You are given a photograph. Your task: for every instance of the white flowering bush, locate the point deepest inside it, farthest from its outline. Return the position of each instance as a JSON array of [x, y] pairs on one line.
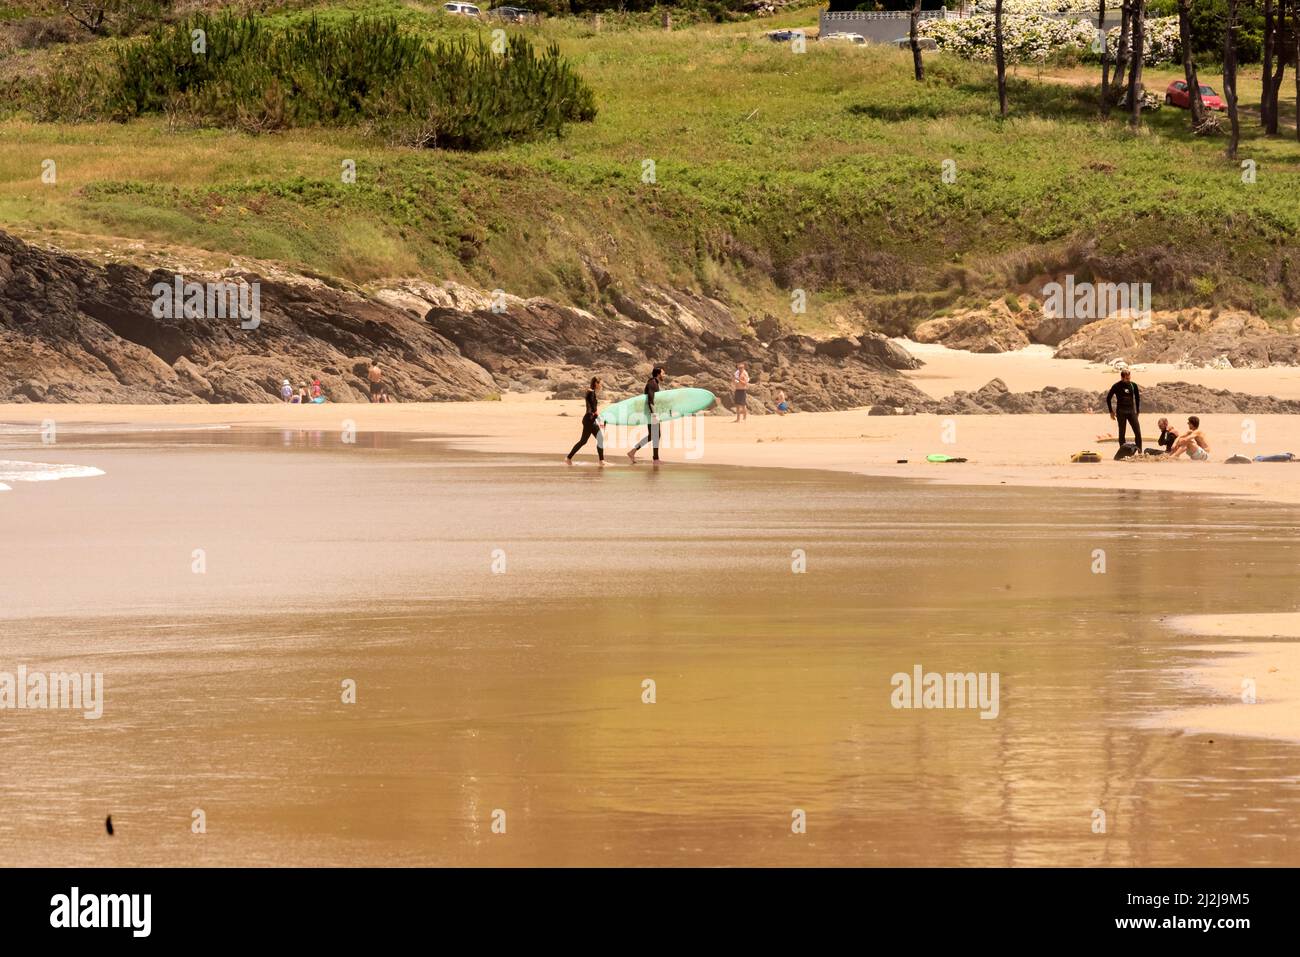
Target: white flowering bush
[[1022, 8], [1025, 39], [1033, 37], [1160, 42]]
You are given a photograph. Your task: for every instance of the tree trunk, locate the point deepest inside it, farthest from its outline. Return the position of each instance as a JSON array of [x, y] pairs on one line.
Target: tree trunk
[[1105, 57], [999, 57], [1121, 54], [1230, 77], [1266, 73], [1135, 77], [1273, 84], [917, 66], [1189, 66]]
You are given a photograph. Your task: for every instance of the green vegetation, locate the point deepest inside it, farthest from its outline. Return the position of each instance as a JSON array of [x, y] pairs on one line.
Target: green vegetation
[[772, 171], [238, 72]]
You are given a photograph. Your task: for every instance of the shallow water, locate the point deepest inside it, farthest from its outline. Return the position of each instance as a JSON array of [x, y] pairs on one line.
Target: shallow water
[[521, 689]]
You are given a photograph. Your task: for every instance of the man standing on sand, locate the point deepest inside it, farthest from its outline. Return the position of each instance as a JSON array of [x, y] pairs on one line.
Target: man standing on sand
[[1192, 442], [740, 395], [652, 427], [1124, 402], [375, 375]]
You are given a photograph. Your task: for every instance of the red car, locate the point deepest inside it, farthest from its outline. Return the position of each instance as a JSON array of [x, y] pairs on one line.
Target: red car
[[1177, 95]]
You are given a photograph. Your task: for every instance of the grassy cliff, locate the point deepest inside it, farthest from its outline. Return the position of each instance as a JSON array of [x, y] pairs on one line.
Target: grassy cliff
[[772, 171]]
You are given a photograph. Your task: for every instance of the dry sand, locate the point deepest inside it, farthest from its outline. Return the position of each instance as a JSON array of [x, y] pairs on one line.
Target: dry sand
[[1027, 450]]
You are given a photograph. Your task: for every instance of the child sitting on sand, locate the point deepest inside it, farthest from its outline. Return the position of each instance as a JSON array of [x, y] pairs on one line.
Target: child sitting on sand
[[782, 406]]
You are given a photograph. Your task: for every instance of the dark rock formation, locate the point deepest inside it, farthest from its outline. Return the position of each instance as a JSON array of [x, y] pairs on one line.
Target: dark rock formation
[[1170, 397], [72, 331]]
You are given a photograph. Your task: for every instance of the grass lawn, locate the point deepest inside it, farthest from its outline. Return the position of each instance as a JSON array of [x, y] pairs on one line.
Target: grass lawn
[[773, 171]]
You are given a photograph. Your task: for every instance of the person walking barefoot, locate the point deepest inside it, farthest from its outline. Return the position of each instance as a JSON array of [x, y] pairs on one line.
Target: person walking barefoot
[[652, 428], [740, 395], [591, 424]]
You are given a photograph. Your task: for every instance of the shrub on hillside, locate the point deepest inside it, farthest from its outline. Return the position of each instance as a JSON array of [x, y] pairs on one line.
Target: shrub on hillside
[[453, 93]]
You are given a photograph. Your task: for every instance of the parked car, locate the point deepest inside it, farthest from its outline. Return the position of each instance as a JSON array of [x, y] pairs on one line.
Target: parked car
[[783, 36], [512, 14], [843, 38], [925, 43], [1178, 95], [462, 9]]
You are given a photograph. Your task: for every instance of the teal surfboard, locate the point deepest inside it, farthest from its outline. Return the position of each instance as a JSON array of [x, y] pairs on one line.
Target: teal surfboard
[[669, 404]]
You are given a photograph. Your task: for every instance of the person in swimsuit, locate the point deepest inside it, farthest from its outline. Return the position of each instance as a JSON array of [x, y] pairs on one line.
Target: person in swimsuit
[[652, 428], [591, 425], [740, 397], [376, 375], [1192, 442]]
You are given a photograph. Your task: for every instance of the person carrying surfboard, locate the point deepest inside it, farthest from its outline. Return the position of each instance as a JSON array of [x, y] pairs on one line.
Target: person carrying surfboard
[[652, 428], [591, 424]]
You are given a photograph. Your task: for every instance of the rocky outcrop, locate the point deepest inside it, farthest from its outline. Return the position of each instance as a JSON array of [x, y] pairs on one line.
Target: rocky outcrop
[[73, 331], [1190, 338], [992, 329], [1170, 397]]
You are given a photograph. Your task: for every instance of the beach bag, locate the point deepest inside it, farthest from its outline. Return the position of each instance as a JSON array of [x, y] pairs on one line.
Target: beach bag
[[1086, 457], [1238, 459], [1126, 451]]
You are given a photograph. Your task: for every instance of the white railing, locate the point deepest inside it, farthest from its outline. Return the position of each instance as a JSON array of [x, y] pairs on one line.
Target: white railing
[[851, 15]]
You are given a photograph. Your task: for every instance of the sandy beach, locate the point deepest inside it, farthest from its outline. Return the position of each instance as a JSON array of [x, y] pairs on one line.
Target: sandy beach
[[1205, 662]]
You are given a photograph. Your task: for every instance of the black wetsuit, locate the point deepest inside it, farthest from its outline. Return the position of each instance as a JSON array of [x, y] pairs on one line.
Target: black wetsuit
[[1124, 401], [652, 427], [590, 427], [1167, 439]]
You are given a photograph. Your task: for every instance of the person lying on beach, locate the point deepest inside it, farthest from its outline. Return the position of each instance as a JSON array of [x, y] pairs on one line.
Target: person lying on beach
[[1192, 442]]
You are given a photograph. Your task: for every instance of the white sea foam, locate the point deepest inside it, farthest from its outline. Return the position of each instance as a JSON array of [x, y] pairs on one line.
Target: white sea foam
[[12, 471]]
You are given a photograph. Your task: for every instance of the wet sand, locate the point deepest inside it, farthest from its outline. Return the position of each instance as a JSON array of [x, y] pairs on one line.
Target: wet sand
[[521, 688], [1253, 683]]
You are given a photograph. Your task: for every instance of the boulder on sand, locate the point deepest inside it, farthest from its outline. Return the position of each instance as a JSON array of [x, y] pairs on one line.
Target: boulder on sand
[[975, 330]]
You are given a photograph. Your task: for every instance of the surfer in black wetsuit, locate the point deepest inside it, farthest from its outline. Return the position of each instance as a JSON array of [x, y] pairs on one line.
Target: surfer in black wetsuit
[[1124, 403], [591, 424], [652, 427], [1167, 436]]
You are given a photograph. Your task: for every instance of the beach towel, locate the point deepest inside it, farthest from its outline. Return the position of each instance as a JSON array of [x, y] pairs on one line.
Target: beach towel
[[1086, 456], [943, 458], [1280, 457]]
